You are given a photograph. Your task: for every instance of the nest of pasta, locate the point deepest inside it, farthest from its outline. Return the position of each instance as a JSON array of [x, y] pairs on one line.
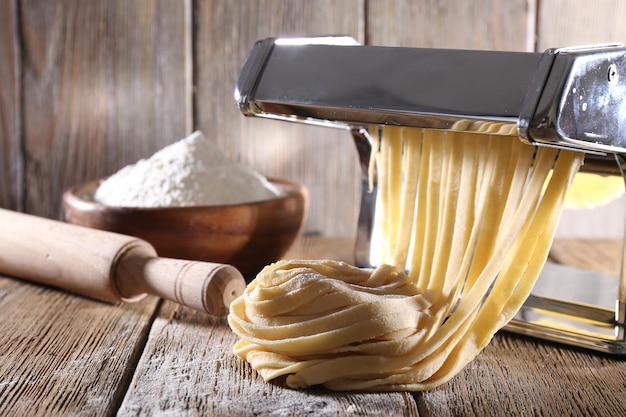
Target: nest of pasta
[[464, 223]]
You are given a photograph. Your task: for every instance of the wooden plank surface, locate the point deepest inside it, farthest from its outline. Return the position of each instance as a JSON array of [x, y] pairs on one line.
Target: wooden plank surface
[[482, 24], [11, 182], [579, 22], [104, 84], [65, 355], [600, 255], [62, 354], [323, 159], [516, 376], [188, 367]]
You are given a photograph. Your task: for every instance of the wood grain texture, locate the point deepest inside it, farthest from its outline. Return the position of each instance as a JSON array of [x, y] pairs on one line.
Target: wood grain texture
[[579, 22], [322, 159], [482, 24], [104, 85], [65, 355], [188, 367], [339, 249], [520, 376], [11, 181], [601, 255]]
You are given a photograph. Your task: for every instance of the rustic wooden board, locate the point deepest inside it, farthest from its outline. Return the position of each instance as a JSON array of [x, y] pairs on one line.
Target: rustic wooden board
[[11, 185], [579, 22], [309, 247], [515, 376], [323, 159], [482, 24], [62, 354], [105, 84], [188, 367], [601, 255]]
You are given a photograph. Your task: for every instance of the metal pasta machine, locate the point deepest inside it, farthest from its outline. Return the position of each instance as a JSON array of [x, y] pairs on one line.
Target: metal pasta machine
[[569, 98]]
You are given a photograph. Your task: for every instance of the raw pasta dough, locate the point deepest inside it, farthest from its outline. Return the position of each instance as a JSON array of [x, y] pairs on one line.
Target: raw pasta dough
[[466, 215]]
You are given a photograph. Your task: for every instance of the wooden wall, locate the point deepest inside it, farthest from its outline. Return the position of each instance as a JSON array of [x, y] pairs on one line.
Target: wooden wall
[[87, 87]]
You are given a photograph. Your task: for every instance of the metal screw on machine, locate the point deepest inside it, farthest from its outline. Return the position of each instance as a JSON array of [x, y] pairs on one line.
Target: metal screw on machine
[[612, 72]]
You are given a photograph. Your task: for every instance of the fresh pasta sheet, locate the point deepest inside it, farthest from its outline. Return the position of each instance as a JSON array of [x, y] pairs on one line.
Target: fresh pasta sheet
[[463, 226]]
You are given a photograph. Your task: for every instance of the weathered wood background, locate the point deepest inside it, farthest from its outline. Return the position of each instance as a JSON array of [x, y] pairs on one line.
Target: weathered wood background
[[87, 87]]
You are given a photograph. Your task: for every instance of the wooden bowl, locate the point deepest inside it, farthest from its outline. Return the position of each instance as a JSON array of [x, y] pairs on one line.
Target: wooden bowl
[[247, 236]]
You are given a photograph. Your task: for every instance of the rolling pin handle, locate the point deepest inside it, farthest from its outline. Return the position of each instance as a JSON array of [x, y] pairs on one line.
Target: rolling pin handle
[[203, 286]]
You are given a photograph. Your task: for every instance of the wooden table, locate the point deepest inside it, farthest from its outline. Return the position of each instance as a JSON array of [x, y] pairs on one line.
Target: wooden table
[[65, 355]]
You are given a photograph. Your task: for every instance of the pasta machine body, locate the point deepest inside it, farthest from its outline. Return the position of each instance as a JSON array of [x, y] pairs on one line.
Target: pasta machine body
[[568, 98]]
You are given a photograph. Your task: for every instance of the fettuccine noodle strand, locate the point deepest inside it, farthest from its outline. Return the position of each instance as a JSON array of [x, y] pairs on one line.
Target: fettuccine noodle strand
[[465, 224]]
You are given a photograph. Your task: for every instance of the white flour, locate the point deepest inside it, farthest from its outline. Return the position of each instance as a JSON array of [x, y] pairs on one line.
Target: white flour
[[190, 172]]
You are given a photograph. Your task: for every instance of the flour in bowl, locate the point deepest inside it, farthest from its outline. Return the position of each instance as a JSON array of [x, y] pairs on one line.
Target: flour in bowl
[[190, 172]]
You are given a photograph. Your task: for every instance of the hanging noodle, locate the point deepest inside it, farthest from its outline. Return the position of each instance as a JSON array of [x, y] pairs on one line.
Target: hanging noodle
[[469, 220]]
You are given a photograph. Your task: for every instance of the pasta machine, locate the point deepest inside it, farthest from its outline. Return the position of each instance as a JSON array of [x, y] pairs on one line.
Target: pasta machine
[[568, 98]]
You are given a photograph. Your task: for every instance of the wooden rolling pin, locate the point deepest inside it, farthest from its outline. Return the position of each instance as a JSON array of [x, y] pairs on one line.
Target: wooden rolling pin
[[110, 266]]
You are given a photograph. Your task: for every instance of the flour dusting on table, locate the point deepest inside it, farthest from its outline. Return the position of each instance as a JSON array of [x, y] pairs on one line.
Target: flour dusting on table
[[190, 172]]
